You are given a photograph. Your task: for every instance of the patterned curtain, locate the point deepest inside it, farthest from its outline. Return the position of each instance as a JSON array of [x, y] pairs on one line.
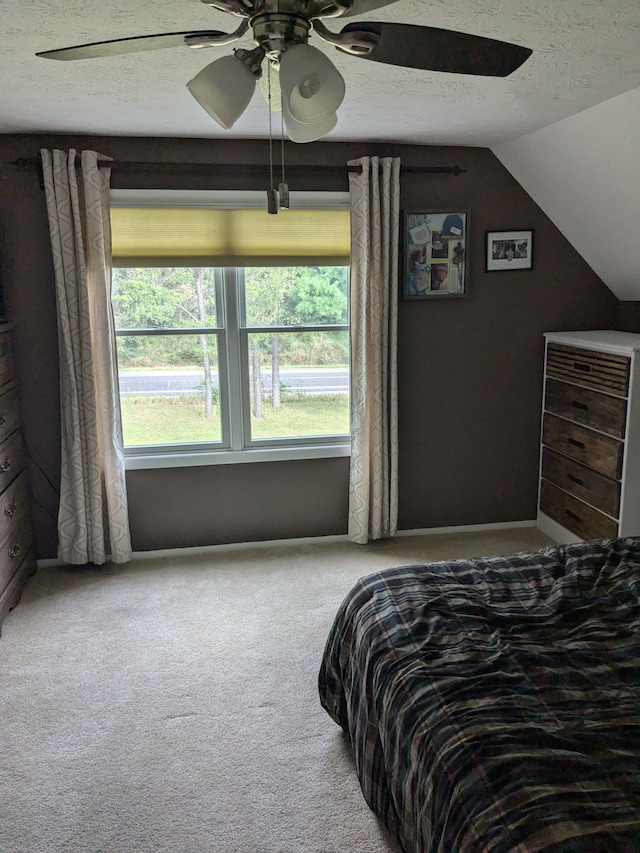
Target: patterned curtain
[[93, 522], [373, 478]]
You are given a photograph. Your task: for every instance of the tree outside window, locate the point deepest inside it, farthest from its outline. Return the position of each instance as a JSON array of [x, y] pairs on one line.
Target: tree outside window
[[194, 372]]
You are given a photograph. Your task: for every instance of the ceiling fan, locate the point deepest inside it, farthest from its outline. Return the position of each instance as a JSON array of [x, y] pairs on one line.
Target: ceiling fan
[[311, 88]]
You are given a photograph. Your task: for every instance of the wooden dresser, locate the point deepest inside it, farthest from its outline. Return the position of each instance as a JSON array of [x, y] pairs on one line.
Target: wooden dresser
[[16, 551], [590, 457]]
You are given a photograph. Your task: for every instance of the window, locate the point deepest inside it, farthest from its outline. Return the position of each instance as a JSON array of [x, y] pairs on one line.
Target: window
[[229, 362]]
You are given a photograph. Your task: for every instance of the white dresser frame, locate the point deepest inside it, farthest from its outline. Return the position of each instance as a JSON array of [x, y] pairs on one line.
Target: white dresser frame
[[619, 343]]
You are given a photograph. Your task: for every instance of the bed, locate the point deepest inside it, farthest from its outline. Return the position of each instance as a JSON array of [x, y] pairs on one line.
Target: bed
[[493, 705]]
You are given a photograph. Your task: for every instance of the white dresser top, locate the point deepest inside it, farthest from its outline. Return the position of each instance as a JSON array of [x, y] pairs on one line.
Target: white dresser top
[[606, 340]]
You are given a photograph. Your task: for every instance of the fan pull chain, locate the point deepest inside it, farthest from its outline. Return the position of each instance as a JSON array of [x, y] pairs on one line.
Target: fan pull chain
[[272, 198], [283, 189]]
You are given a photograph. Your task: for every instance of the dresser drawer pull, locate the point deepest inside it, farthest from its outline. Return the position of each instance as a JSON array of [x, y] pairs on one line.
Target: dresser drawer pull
[[10, 510], [15, 551], [4, 466], [572, 441], [586, 368], [573, 479], [572, 515], [582, 406]]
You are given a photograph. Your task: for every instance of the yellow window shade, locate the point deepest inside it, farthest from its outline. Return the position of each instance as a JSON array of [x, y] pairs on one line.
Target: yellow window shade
[[161, 236]]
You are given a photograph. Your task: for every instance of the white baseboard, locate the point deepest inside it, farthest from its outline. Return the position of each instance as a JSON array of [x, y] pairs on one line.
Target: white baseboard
[[310, 540]]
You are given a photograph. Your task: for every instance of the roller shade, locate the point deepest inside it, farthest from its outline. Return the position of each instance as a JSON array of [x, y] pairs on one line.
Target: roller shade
[[179, 236]]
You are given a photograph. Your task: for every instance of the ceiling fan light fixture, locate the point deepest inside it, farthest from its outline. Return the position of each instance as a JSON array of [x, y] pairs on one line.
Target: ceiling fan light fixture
[[224, 89], [312, 87], [298, 131]]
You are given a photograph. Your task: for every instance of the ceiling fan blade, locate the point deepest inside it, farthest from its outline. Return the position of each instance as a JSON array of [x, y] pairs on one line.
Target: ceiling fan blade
[[434, 49], [134, 44], [361, 7]]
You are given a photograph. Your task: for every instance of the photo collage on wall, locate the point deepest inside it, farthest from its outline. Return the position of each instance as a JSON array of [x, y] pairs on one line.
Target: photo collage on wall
[[435, 254]]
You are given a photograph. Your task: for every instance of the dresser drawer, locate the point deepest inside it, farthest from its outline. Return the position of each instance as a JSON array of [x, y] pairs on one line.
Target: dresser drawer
[[14, 504], [15, 548], [12, 459], [7, 371], [569, 512], [601, 370], [600, 452], [580, 481], [591, 408], [9, 412]]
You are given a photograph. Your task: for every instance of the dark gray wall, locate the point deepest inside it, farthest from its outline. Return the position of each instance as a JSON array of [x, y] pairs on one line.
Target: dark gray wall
[[629, 317], [470, 370]]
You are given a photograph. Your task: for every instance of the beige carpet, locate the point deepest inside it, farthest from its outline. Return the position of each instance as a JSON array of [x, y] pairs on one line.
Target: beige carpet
[[170, 705]]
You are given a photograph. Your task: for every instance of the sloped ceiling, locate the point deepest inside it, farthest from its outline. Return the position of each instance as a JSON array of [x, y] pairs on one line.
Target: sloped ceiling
[[584, 172]]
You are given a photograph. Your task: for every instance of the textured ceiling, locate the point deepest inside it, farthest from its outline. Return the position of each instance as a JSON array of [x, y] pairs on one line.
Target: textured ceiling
[[584, 52]]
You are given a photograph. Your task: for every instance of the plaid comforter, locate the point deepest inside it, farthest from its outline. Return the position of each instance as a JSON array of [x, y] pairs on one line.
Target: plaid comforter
[[493, 705]]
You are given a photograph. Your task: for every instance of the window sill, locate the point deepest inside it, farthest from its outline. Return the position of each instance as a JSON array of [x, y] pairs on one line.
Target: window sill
[[233, 457]]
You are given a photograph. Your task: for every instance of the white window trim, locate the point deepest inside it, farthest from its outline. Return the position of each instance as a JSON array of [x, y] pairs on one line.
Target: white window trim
[[135, 458], [191, 458]]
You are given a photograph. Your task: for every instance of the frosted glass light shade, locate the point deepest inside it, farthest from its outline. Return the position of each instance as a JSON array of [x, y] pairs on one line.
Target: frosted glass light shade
[[224, 89], [312, 87], [298, 131]]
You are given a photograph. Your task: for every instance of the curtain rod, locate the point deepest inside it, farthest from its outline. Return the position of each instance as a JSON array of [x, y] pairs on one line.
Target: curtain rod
[[35, 163]]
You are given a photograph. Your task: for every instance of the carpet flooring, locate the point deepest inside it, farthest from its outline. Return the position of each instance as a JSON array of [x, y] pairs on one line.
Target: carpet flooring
[[170, 705]]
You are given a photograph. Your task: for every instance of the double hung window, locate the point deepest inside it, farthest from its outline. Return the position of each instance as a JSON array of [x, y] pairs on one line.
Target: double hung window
[[232, 329]]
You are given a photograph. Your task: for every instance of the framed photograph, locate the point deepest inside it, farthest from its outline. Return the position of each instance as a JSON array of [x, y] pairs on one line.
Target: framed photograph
[[435, 254], [509, 250]]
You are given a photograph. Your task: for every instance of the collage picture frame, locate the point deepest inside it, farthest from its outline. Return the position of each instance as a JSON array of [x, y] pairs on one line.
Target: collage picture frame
[[435, 254]]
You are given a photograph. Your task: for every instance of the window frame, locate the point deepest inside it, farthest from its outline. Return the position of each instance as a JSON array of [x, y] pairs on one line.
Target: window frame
[[232, 333]]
